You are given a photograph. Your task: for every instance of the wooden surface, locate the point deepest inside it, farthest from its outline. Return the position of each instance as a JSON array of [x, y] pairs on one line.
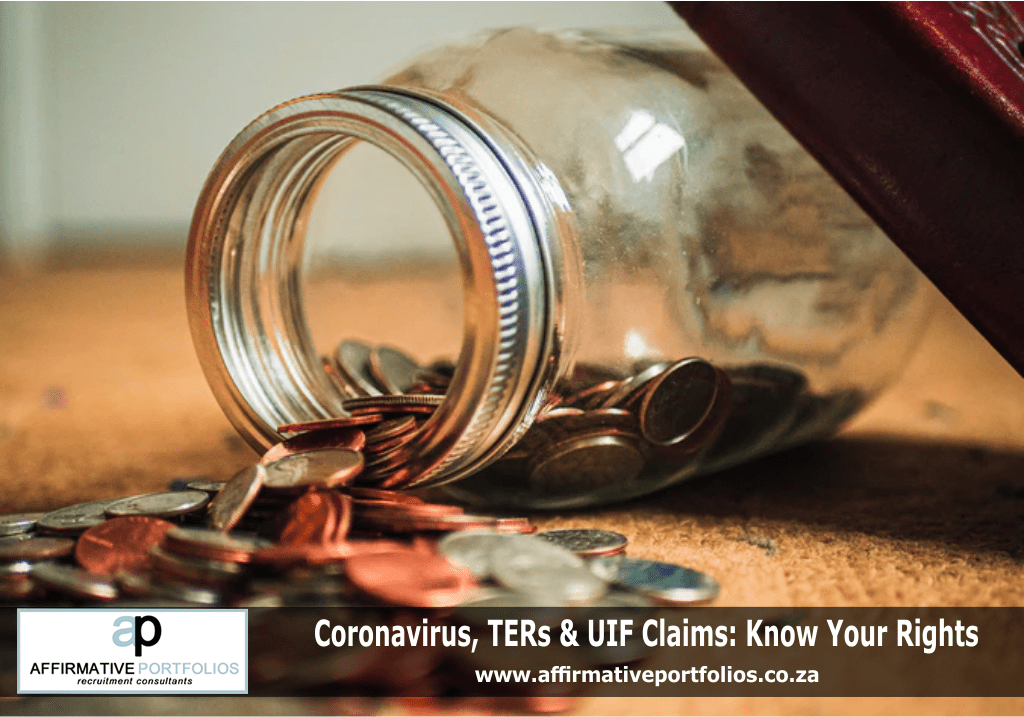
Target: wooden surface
[[919, 502]]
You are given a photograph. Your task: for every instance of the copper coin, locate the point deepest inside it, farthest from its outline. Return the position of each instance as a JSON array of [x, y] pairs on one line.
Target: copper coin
[[238, 494], [391, 444], [18, 589], [436, 382], [420, 387], [324, 424], [324, 468], [398, 476], [120, 544], [33, 549], [343, 505], [556, 414], [392, 369], [310, 519], [390, 429], [515, 525], [351, 439], [19, 523], [390, 458], [411, 578]]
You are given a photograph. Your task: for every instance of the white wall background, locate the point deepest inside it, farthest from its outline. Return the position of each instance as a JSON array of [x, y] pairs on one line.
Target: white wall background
[[113, 113]]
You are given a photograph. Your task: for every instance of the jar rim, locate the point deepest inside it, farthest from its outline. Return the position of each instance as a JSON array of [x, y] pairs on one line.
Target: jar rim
[[245, 246]]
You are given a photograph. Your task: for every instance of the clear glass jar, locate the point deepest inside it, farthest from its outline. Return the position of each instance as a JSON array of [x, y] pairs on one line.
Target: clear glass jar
[[616, 204]]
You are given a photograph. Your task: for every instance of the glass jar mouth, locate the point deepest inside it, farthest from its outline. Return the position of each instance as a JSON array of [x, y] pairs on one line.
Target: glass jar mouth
[[243, 276]]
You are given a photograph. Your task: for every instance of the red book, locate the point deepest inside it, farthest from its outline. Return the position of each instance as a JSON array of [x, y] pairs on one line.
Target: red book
[[917, 109]]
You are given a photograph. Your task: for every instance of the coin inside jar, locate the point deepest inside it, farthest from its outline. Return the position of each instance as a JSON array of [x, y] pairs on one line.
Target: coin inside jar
[[314, 468], [352, 359], [392, 369], [74, 581], [679, 401], [552, 574], [586, 462]]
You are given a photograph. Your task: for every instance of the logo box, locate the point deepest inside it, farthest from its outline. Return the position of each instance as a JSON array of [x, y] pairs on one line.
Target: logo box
[[133, 651]]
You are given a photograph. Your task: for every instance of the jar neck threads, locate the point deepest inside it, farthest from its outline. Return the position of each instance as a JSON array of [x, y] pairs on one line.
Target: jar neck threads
[[244, 272]]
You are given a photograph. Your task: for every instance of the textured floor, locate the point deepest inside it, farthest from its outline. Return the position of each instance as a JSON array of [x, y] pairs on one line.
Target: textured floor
[[920, 502]]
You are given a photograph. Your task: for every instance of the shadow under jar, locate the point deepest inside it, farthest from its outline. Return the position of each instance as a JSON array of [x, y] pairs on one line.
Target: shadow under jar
[[656, 280]]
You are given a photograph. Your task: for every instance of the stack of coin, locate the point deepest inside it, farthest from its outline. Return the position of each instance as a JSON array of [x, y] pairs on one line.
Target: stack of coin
[[298, 531], [602, 434]]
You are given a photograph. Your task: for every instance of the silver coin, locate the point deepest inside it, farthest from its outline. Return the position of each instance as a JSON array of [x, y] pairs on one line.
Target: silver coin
[[662, 582], [74, 518], [549, 573], [74, 581], [143, 586], [160, 505], [587, 543], [18, 523], [585, 463], [471, 549], [392, 369], [229, 505], [210, 486], [680, 400], [314, 468], [16, 537], [13, 570], [352, 359], [393, 404]]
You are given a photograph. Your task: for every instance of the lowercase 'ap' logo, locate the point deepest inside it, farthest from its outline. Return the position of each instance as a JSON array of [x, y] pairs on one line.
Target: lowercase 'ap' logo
[[132, 634]]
